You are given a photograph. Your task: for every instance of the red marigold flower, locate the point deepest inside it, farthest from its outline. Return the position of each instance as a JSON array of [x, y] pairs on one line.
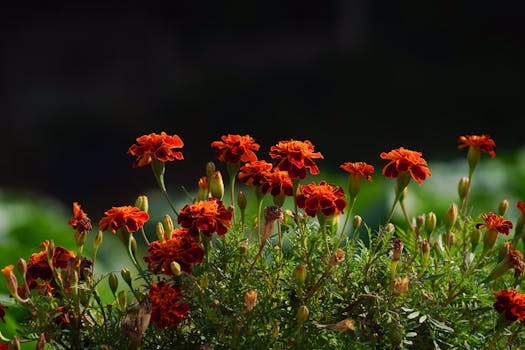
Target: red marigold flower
[[510, 303], [403, 160], [358, 169], [254, 173], [158, 146], [483, 143], [277, 182], [80, 221], [521, 206], [167, 307], [495, 222], [181, 248], [129, 217], [235, 148], [4, 346], [326, 198], [295, 157], [205, 216]]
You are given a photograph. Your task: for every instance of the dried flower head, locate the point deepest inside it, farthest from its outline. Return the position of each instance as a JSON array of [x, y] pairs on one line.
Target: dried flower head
[[80, 221]]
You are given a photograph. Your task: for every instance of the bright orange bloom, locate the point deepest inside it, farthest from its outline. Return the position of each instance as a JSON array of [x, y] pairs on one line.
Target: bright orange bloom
[[495, 222], [295, 157], [205, 216], [510, 303], [277, 182], [253, 173], [129, 217], [181, 248], [483, 143], [403, 160], [167, 307], [80, 221], [326, 198], [235, 148], [359, 169], [158, 146]]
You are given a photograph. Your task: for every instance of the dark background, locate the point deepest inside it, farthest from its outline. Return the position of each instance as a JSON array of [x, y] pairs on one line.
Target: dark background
[[80, 82]]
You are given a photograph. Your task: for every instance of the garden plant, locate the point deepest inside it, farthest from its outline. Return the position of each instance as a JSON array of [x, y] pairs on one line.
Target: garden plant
[[275, 256]]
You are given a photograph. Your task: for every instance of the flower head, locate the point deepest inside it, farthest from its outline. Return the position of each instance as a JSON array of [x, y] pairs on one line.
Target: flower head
[[277, 182], [235, 148], [296, 157], [167, 306], [405, 161], [357, 171], [80, 221], [482, 143], [181, 248], [158, 146], [254, 173], [510, 304], [129, 217], [205, 216], [495, 222], [325, 198]]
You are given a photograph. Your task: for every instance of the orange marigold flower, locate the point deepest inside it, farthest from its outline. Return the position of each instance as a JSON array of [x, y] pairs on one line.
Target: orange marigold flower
[[360, 169], [254, 173], [326, 198], [235, 148], [483, 143], [38, 266], [295, 157], [510, 303], [80, 221], [403, 160], [158, 146], [167, 307], [181, 248], [129, 217], [277, 182], [205, 216], [495, 222]]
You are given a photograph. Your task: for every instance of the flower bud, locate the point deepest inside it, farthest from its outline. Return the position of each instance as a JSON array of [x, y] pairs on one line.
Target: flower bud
[[279, 199], [122, 300], [299, 274], [113, 282], [41, 343], [11, 281], [244, 247], [202, 193], [15, 343], [430, 222], [275, 331], [216, 185], [420, 221], [175, 268], [210, 169], [242, 200], [215, 304], [302, 314], [389, 228], [22, 266], [126, 275], [142, 203], [397, 248], [98, 240], [159, 231], [356, 223], [250, 299], [168, 225], [463, 187], [133, 245], [451, 216], [475, 237], [503, 206]]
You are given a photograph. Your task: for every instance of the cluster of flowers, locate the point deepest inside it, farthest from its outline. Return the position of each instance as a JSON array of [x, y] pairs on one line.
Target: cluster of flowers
[[56, 272]]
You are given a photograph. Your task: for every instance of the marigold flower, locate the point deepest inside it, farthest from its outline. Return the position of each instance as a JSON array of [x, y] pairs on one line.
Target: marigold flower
[[405, 161], [235, 148], [254, 173], [277, 182], [205, 216], [296, 157], [512, 259], [129, 217], [325, 198], [158, 146], [181, 248], [482, 143], [357, 171], [80, 221], [167, 307], [495, 222], [510, 304]]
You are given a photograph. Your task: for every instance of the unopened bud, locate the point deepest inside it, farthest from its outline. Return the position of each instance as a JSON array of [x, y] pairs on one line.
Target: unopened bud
[[463, 187], [242, 200], [299, 274], [22, 266], [215, 304], [389, 228], [451, 217], [159, 231], [279, 199], [210, 169], [202, 193], [430, 222], [175, 268], [302, 314], [397, 248], [133, 244], [142, 203], [168, 225], [216, 185], [122, 300], [358, 220], [98, 240], [250, 299], [243, 248], [126, 275], [420, 221], [113, 282], [475, 237], [503, 206]]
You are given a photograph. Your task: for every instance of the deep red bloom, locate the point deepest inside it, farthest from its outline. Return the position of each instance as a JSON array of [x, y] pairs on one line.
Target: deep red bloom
[[254, 173], [167, 307], [295, 157], [510, 304], [205, 216], [358, 169], [326, 198], [235, 148], [181, 248], [483, 143], [521, 206], [495, 222], [277, 182], [158, 146], [80, 221], [129, 217], [403, 160]]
